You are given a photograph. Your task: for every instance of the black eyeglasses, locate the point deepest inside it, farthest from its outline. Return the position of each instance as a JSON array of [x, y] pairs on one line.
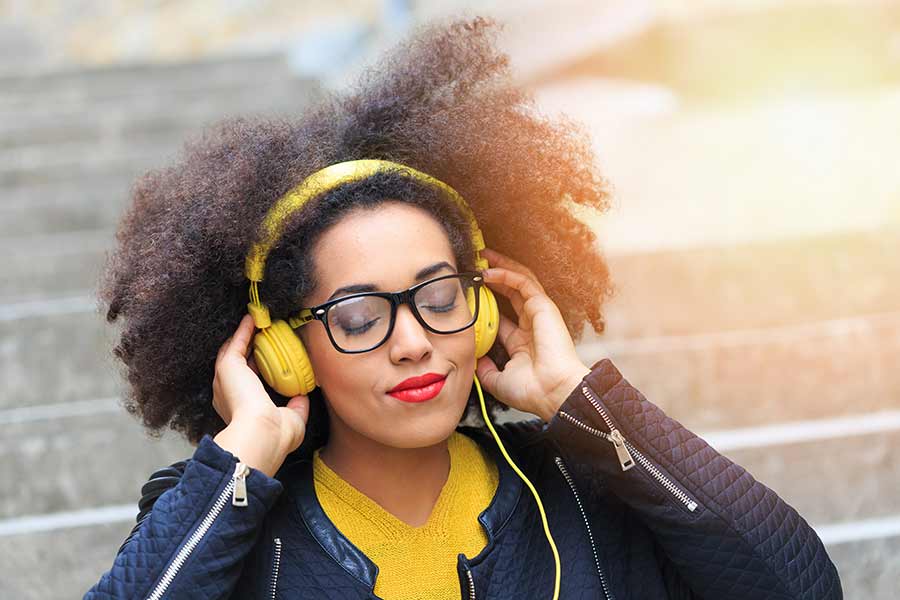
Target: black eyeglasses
[[362, 322]]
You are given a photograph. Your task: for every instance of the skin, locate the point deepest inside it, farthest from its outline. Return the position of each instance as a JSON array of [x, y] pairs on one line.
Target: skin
[[395, 452]]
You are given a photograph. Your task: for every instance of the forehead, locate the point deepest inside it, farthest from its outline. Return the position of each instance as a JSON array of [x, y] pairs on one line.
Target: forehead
[[385, 245]]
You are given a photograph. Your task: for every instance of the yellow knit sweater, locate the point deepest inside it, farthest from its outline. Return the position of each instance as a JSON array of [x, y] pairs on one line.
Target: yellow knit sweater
[[416, 562]]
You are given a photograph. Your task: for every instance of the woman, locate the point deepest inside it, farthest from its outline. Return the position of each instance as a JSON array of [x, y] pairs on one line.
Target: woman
[[335, 481]]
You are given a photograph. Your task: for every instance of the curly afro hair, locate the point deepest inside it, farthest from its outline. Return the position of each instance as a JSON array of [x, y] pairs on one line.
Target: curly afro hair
[[442, 102]]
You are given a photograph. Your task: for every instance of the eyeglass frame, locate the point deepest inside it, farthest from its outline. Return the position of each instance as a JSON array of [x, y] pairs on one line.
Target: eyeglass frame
[[319, 312]]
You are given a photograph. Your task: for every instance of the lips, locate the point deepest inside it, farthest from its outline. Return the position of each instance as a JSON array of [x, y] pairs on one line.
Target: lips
[[420, 388], [417, 382]]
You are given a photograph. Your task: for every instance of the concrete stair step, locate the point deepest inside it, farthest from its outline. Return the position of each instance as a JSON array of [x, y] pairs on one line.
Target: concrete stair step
[[75, 164], [84, 84], [857, 482], [23, 192], [150, 101], [751, 285], [134, 137], [65, 154], [832, 368], [163, 114], [79, 556], [58, 207], [99, 163], [20, 46], [868, 568], [56, 359], [47, 266], [78, 462]]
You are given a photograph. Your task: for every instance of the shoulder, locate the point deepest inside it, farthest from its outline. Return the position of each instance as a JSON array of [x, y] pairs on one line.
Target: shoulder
[[159, 482]]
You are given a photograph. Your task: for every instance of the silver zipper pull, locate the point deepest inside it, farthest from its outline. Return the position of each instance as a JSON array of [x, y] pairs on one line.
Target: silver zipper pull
[[239, 498], [618, 440]]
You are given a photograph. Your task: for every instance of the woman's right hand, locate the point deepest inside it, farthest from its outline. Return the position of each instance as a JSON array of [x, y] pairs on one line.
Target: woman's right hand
[[260, 433]]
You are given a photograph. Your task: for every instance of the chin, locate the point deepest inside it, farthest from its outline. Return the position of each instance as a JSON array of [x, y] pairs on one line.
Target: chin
[[425, 432]]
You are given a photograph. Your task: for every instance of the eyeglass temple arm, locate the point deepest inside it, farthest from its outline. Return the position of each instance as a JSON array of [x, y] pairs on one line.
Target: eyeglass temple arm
[[301, 318]]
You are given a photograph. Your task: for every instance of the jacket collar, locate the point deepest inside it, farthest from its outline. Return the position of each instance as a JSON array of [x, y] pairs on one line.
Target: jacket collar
[[351, 558]]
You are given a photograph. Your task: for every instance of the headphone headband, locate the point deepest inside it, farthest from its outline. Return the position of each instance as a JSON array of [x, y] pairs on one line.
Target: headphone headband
[[326, 179]]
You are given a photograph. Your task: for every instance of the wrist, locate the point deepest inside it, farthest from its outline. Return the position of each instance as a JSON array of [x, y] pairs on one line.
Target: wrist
[[558, 396], [254, 443]]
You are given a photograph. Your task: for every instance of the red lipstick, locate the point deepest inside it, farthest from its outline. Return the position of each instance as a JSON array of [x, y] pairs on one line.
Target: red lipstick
[[419, 389]]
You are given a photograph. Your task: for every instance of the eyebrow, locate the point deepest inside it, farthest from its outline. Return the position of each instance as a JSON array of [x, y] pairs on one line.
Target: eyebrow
[[369, 287]]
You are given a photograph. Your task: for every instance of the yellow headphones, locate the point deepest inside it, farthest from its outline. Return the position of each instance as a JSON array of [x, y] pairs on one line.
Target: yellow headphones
[[278, 351]]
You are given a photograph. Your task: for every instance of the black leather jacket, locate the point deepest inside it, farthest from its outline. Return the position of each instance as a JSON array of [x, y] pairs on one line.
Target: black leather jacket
[[639, 507]]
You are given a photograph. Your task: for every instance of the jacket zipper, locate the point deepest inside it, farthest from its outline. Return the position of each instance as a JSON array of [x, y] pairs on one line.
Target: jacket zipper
[[276, 563], [237, 488], [626, 450], [471, 583], [562, 468]]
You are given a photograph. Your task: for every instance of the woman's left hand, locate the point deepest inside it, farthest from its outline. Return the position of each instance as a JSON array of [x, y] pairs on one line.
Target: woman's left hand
[[543, 367]]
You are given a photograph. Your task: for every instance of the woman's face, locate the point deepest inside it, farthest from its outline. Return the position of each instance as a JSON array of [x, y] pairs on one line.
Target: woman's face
[[386, 247]]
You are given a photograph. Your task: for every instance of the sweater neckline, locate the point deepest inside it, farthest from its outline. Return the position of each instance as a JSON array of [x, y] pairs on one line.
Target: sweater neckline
[[391, 525], [297, 476]]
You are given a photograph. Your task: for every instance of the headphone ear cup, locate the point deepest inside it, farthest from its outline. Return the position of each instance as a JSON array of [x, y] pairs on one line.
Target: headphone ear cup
[[282, 360], [488, 323]]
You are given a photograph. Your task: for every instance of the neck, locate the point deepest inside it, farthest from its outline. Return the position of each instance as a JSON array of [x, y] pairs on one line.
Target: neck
[[406, 482]]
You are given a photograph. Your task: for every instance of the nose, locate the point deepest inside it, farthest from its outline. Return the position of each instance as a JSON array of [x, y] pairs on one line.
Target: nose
[[409, 340]]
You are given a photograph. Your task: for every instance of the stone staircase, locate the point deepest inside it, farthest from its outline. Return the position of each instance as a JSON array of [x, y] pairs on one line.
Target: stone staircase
[[725, 338], [71, 143]]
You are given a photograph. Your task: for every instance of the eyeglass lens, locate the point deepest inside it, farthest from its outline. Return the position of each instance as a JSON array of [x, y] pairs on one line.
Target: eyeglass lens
[[362, 323]]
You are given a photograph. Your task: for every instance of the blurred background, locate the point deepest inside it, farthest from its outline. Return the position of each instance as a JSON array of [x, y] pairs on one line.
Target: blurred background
[[755, 234]]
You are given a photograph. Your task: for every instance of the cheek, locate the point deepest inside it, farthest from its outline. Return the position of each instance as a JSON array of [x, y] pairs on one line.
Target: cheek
[[325, 359], [461, 350], [465, 345], [345, 374]]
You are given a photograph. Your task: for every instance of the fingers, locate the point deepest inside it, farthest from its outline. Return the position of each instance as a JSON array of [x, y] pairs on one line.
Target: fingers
[[487, 372], [513, 274], [512, 284], [298, 410], [504, 330], [300, 405], [515, 299], [240, 341], [501, 260]]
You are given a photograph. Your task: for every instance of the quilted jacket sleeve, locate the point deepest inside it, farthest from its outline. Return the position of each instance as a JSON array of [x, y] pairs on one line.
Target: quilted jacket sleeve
[[725, 534], [194, 541]]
